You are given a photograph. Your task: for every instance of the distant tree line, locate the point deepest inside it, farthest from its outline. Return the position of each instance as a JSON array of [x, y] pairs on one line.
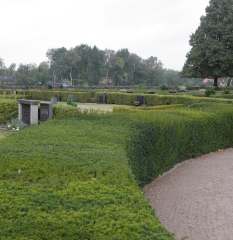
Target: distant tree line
[[90, 66]]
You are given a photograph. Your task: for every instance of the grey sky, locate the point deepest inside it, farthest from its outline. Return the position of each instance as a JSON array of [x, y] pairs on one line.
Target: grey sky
[[147, 27]]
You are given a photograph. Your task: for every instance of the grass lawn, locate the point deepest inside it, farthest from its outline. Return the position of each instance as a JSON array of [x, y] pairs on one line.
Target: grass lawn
[[70, 179], [3, 134]]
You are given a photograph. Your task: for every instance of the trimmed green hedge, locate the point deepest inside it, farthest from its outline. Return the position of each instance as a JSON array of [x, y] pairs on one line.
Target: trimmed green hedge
[[116, 97], [69, 179], [8, 110], [154, 99], [73, 180], [161, 140], [82, 97], [166, 135]]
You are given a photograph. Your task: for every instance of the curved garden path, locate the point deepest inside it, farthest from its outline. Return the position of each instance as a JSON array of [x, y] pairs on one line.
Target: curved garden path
[[195, 199]]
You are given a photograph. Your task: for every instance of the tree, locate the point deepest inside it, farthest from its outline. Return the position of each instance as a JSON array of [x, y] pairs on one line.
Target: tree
[[2, 67], [25, 75], [211, 55], [59, 67]]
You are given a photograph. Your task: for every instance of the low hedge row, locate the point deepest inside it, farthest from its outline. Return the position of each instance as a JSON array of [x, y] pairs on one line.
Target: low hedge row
[[154, 99], [159, 141], [116, 97], [82, 97], [8, 110]]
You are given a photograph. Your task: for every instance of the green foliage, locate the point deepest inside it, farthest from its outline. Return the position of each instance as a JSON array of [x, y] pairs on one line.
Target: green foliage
[[159, 141], [211, 53], [227, 91], [155, 99], [84, 66], [15, 124], [71, 100], [82, 97], [115, 97], [73, 182], [62, 111], [209, 92], [8, 110]]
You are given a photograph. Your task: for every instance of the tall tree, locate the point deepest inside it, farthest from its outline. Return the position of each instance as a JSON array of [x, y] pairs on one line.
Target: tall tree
[[211, 55]]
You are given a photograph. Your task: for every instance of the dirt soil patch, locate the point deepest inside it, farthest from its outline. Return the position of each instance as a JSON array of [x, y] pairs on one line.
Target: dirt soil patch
[[195, 199]]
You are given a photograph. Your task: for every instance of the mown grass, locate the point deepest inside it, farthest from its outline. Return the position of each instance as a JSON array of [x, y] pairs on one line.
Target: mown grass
[[70, 179], [2, 135]]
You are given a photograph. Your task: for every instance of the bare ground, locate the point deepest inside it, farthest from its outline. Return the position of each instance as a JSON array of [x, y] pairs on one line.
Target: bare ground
[[195, 200]]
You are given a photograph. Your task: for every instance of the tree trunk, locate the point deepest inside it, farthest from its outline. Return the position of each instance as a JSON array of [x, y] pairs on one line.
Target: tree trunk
[[54, 79], [71, 79], [229, 82], [216, 82]]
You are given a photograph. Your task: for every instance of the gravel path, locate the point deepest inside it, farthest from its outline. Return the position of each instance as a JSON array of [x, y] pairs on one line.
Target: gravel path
[[195, 199]]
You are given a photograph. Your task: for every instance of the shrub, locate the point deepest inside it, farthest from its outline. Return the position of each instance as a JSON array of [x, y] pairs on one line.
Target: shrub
[[164, 87], [209, 92], [227, 91], [15, 124], [159, 141], [65, 111], [8, 110], [71, 100]]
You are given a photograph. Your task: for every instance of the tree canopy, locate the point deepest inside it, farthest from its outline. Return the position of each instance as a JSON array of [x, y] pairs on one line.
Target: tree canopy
[[211, 55], [84, 66]]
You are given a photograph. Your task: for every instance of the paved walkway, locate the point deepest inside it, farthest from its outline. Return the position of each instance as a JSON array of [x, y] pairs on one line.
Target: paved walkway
[[195, 199]]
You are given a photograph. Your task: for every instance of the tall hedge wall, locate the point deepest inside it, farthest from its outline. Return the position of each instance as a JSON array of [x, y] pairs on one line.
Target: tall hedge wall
[[161, 140]]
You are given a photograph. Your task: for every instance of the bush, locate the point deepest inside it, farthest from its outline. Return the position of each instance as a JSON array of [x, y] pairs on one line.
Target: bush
[[209, 92], [8, 110], [71, 100], [159, 141], [164, 87], [15, 125], [227, 91], [65, 111]]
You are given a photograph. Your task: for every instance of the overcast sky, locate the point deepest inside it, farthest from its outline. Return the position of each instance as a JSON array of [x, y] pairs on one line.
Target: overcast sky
[[146, 27]]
